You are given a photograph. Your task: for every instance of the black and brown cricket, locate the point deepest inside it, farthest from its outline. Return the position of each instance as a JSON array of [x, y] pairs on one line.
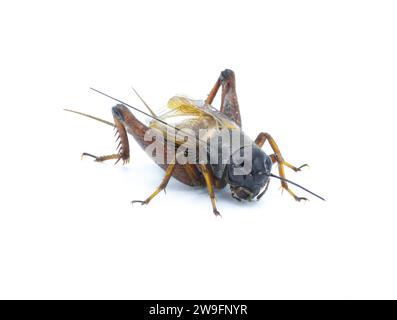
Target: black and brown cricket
[[201, 115]]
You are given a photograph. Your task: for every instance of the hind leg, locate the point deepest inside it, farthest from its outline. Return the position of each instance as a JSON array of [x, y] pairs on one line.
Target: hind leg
[[229, 102], [123, 149]]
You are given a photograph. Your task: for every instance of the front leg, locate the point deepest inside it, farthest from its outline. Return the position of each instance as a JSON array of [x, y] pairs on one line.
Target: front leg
[[278, 158]]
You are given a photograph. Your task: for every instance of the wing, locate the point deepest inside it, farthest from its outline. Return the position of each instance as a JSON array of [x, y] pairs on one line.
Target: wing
[[190, 116]]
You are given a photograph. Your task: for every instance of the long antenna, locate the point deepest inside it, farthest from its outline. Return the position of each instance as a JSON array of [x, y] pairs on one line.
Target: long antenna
[[136, 109], [144, 102], [146, 114], [297, 185], [92, 117]]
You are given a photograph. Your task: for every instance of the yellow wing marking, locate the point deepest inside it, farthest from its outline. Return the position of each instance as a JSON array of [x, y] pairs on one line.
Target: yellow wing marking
[[185, 113], [184, 106]]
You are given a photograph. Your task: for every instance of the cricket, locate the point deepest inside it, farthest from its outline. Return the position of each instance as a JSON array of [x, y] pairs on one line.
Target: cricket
[[200, 145]]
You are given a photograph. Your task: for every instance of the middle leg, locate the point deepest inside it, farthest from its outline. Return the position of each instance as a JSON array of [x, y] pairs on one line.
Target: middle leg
[[163, 184], [210, 187]]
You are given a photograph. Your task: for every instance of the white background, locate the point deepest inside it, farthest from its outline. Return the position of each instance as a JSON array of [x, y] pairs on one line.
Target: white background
[[320, 76]]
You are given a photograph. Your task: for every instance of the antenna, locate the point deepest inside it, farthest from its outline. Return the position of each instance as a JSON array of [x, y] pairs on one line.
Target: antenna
[[146, 114], [297, 185], [143, 101]]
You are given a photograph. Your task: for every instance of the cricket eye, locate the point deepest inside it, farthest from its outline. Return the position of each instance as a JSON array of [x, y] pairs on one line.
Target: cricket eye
[[268, 163]]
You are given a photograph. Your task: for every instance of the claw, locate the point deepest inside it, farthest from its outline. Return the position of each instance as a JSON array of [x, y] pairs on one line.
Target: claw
[[295, 168], [301, 198], [216, 213], [302, 166], [139, 201], [88, 155]]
